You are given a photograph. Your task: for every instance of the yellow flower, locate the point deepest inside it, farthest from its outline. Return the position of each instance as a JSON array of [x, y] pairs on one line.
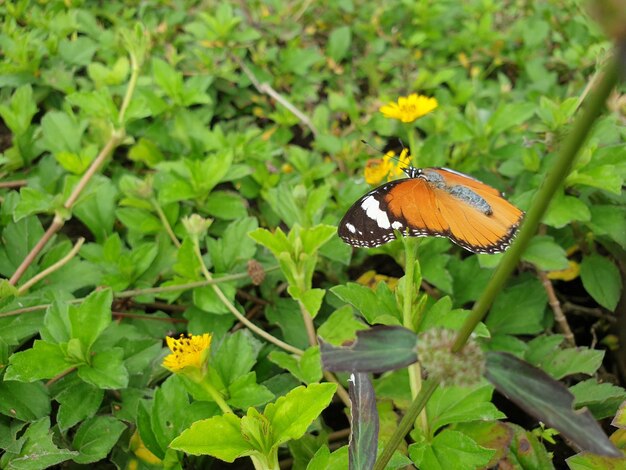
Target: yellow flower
[[372, 278], [379, 168], [409, 108], [568, 274], [191, 351]]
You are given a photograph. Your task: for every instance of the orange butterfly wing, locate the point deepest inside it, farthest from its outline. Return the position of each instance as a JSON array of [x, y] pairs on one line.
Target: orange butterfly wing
[[433, 202]]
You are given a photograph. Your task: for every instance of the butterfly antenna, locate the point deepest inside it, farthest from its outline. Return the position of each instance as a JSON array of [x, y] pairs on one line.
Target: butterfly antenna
[[382, 151]]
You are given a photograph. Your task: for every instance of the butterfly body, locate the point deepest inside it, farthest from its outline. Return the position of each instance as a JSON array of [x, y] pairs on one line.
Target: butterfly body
[[433, 202]]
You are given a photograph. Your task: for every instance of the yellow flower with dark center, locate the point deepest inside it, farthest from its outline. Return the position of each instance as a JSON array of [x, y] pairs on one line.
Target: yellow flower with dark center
[[409, 108], [191, 351], [389, 166]]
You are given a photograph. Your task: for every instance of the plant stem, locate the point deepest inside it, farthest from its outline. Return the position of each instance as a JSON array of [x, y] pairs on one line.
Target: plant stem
[[59, 264], [251, 326], [165, 222], [409, 320], [138, 292], [217, 396], [308, 324], [54, 227], [407, 422], [117, 135], [554, 179]]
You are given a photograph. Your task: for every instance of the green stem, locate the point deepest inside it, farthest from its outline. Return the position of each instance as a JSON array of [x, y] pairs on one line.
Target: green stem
[[217, 397], [165, 222], [410, 319], [251, 326], [552, 182], [407, 422]]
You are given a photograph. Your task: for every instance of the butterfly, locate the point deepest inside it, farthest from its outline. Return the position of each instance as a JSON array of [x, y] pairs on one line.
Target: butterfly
[[433, 202]]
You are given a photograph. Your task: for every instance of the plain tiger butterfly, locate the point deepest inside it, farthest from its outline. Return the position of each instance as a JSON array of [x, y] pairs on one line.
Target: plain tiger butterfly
[[433, 202]]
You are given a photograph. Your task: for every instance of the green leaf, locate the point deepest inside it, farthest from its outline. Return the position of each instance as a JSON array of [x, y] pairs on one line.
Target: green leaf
[[603, 177], [146, 151], [546, 254], [206, 299], [225, 254], [601, 279], [43, 361], [442, 315], [461, 404], [495, 435], [312, 300], [35, 449], [341, 326], [219, 437], [225, 205], [32, 201], [609, 220], [78, 401], [139, 220], [276, 242], [95, 438], [306, 368], [97, 210], [519, 309], [602, 399], [19, 113], [548, 400], [60, 133], [509, 115], [168, 79], [292, 414], [236, 356], [375, 305], [286, 314], [564, 210], [378, 349], [364, 424], [24, 401], [543, 352], [78, 50], [244, 392], [449, 449], [320, 460], [106, 370], [91, 318], [18, 239], [339, 43], [313, 238]]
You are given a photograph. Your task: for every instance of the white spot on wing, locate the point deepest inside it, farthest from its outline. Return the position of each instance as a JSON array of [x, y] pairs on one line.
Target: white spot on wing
[[396, 225], [372, 209], [351, 228]]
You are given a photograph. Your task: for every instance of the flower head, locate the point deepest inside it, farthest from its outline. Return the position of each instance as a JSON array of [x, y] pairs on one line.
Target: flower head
[[409, 108], [379, 168], [191, 351], [464, 368]]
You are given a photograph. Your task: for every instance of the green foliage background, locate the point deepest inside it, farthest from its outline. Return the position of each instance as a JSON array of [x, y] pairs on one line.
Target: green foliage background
[[201, 137]]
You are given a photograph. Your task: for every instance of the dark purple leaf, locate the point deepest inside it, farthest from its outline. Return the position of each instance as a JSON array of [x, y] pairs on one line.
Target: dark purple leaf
[[364, 425], [548, 400], [378, 349]]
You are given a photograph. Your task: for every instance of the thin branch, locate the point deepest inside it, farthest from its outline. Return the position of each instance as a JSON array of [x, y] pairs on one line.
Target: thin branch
[[341, 391], [54, 227], [267, 89], [137, 292], [13, 184], [251, 326], [140, 316], [165, 222], [559, 317], [59, 264]]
